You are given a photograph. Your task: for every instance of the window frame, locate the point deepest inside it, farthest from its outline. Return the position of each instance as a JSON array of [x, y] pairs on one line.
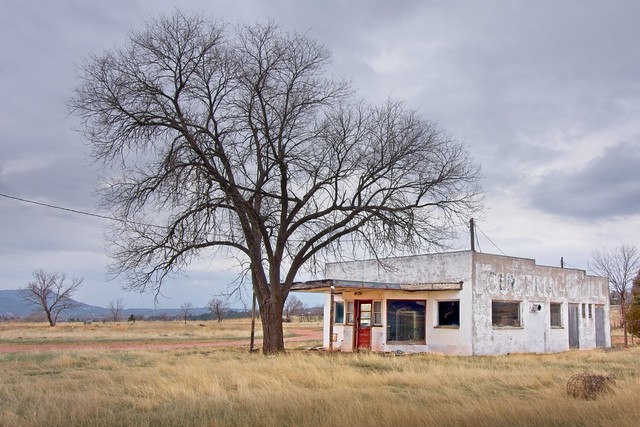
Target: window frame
[[560, 324], [376, 313], [518, 311], [439, 323], [420, 341], [349, 312]]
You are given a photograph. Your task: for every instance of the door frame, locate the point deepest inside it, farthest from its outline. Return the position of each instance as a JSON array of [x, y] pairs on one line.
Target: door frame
[[573, 326], [357, 314], [601, 339]]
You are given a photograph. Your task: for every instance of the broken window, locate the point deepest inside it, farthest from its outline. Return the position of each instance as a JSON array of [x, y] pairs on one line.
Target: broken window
[[406, 321], [338, 313], [505, 314], [377, 312], [448, 313], [555, 311]]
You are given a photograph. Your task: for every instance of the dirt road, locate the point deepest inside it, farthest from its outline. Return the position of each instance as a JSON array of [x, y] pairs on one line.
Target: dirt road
[[299, 335]]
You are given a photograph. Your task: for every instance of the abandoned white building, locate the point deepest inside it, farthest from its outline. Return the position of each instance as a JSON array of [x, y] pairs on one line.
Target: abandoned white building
[[466, 303]]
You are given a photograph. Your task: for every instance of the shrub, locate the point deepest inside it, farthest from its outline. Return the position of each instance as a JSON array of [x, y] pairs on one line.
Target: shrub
[[588, 386]]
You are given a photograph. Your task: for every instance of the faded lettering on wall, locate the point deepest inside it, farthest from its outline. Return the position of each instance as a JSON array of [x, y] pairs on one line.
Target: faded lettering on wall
[[537, 286]]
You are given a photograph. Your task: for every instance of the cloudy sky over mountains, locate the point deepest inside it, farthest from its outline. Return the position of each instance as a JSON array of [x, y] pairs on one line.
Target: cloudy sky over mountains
[[546, 95]]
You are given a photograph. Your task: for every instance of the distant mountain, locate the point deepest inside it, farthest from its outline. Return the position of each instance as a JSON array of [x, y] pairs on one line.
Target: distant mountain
[[12, 304]]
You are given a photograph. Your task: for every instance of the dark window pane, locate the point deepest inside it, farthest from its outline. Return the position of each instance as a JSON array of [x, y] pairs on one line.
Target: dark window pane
[[406, 321], [338, 315], [556, 315], [505, 313], [449, 313]]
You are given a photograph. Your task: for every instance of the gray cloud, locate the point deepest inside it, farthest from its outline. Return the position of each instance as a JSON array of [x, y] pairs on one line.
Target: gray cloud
[[527, 85], [608, 186]]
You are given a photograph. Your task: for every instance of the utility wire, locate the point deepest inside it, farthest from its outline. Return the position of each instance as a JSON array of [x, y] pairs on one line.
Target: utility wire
[[478, 243], [47, 205], [490, 241], [76, 211], [110, 218]]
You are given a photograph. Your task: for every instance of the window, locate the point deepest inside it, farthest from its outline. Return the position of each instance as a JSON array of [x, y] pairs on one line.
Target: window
[[350, 312], [584, 311], [377, 312], [338, 313], [406, 321], [590, 311], [555, 310], [449, 313], [505, 314]]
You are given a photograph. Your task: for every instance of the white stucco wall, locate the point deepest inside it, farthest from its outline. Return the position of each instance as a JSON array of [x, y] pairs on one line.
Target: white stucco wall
[[443, 267], [432, 268], [521, 280], [485, 278]]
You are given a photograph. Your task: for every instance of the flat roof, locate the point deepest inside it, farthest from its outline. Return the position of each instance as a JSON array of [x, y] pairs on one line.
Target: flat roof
[[343, 285]]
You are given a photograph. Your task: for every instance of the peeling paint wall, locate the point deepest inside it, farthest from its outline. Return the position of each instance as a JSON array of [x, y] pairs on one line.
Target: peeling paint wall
[[501, 278], [444, 267], [449, 267], [485, 278]]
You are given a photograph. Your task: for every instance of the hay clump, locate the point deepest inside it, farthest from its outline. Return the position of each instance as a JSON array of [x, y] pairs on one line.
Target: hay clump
[[589, 386]]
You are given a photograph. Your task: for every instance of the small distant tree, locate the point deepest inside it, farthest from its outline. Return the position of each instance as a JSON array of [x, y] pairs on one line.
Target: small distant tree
[[115, 309], [185, 309], [620, 265], [633, 313], [218, 308], [52, 293], [292, 307]]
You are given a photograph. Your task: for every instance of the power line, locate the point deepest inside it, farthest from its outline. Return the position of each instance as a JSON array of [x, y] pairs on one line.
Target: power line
[[62, 208], [75, 211], [490, 241]]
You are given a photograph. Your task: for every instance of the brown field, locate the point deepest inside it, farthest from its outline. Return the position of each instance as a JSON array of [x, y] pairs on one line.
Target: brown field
[[224, 385]]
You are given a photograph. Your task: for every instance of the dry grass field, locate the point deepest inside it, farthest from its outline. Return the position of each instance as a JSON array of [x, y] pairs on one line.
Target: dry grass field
[[227, 386]]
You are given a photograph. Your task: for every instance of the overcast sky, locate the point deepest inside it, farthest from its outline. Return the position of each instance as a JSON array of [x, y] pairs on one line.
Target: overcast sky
[[546, 94]]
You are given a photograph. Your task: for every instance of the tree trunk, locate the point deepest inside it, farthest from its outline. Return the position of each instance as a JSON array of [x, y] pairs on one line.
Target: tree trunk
[[51, 320], [272, 333]]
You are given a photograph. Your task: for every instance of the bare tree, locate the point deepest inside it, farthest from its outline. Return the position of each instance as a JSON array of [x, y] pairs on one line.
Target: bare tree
[[185, 309], [116, 307], [620, 265], [218, 308], [52, 293], [237, 142], [292, 307], [633, 313]]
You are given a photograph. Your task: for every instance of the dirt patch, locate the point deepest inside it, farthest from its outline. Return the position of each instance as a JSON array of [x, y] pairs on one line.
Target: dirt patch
[[299, 335]]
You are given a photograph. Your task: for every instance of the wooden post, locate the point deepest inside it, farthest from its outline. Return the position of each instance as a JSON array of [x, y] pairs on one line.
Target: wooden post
[[253, 322], [561, 262], [331, 315], [472, 229]]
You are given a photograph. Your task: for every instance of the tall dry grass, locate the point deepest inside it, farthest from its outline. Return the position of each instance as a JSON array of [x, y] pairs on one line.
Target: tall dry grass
[[234, 388]]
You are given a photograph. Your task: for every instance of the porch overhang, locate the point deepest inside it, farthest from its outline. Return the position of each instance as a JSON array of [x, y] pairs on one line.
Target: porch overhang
[[339, 286]]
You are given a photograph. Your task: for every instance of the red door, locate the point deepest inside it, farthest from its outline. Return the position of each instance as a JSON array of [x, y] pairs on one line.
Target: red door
[[363, 324]]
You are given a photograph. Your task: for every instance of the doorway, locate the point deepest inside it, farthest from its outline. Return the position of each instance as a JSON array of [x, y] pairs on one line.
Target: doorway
[[363, 310], [601, 339], [574, 326]]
